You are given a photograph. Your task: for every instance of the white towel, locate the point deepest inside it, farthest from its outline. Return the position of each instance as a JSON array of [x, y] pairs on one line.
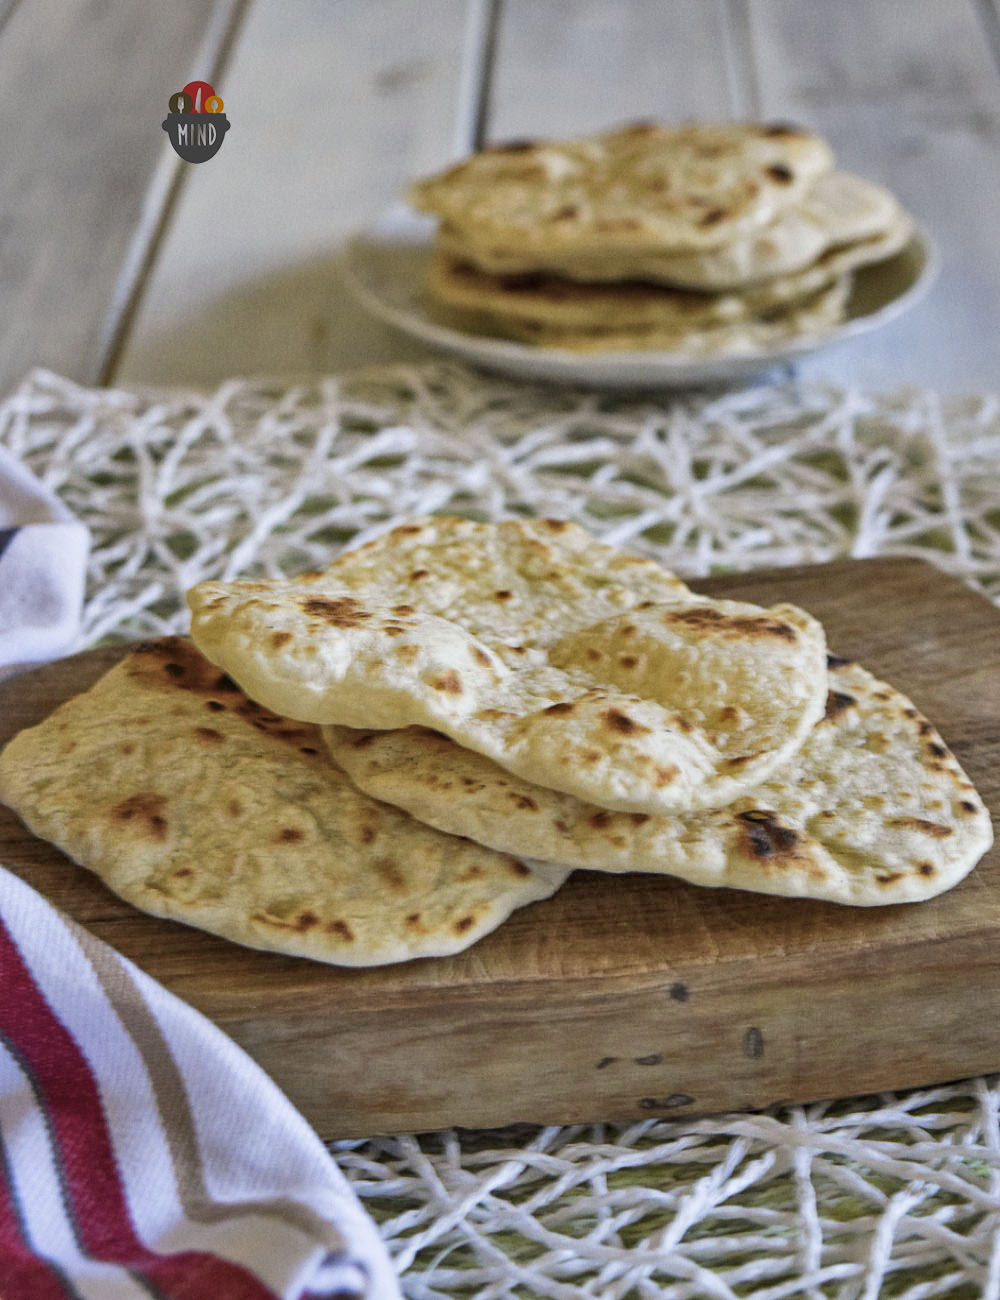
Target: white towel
[[142, 1152], [43, 565]]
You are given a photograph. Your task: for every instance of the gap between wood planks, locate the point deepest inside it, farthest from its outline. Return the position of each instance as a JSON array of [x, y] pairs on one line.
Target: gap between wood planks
[[162, 195]]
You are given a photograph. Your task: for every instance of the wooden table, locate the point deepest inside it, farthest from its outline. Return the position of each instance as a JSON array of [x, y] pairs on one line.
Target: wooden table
[[121, 263]]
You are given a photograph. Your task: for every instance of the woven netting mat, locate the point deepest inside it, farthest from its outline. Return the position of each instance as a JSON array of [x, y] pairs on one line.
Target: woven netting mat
[[895, 1195]]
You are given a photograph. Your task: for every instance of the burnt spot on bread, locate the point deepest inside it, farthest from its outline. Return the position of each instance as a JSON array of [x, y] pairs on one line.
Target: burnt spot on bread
[[234, 808], [834, 663], [777, 130], [588, 757], [418, 575], [481, 657], [926, 868], [763, 837], [664, 775], [737, 626], [389, 873], [341, 929], [522, 801], [620, 723], [934, 829], [279, 639], [297, 925], [143, 811], [289, 835], [741, 760], [628, 661], [889, 877], [173, 663], [503, 595], [518, 869], [208, 736], [780, 173], [600, 820], [368, 834], [341, 611], [937, 749], [463, 924], [450, 683], [403, 610], [225, 684], [837, 702], [473, 872], [712, 217], [967, 806], [308, 749], [363, 742], [556, 525], [215, 706], [407, 652], [561, 709], [393, 629], [566, 213], [639, 818], [407, 530]]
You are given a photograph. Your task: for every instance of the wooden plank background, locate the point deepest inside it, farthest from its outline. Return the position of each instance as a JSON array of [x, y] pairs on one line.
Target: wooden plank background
[[85, 166], [334, 106]]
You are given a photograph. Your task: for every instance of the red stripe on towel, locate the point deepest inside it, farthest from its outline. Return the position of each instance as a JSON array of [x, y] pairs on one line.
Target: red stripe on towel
[[95, 1196], [22, 1272]]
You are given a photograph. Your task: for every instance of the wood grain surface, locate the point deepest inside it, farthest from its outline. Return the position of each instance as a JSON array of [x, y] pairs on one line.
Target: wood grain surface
[[624, 996]]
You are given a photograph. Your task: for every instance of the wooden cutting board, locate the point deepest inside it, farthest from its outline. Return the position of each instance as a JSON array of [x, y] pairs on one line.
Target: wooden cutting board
[[624, 996]]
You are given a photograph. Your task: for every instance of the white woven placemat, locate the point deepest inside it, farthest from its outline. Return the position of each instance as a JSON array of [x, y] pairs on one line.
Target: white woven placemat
[[897, 1195]]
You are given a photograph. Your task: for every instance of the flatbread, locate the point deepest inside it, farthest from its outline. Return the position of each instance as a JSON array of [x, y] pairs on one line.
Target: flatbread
[[195, 804], [807, 321], [873, 808], [576, 665], [641, 187], [552, 301], [839, 210]]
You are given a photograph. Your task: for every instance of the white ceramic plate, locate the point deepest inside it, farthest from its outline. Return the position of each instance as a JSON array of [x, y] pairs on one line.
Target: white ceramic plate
[[385, 266]]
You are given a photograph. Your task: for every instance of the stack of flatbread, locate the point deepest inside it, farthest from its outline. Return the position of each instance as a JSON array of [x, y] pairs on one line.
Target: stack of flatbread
[[700, 239], [383, 759]]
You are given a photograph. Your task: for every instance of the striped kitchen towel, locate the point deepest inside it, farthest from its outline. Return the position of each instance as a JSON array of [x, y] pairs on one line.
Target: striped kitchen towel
[[43, 564], [142, 1153]]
